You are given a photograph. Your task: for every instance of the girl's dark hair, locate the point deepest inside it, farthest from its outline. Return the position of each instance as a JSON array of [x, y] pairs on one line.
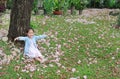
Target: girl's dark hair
[[29, 29]]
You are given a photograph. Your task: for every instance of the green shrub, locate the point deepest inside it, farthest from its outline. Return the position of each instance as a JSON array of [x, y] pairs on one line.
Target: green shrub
[[95, 3], [48, 6], [110, 3], [117, 5], [103, 3], [81, 4], [35, 8], [9, 4]]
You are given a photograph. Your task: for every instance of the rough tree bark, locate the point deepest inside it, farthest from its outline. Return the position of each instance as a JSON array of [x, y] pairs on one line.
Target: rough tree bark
[[19, 18]]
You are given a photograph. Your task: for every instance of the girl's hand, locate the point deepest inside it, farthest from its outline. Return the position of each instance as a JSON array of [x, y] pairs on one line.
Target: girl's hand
[[16, 39]]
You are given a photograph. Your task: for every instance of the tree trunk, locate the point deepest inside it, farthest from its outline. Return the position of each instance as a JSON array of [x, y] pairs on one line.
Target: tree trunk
[[44, 12], [19, 18], [72, 9], [80, 12]]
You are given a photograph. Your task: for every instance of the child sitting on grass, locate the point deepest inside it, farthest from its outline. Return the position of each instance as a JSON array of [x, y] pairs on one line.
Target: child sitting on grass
[[30, 48]]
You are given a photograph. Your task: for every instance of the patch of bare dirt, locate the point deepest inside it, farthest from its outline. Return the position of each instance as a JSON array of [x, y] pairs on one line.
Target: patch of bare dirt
[[96, 12]]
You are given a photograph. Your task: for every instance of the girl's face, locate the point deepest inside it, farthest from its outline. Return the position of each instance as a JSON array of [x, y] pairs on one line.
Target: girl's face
[[30, 33]]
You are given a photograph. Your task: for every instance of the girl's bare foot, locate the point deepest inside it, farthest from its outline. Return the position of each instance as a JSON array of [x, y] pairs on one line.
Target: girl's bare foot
[[38, 59], [44, 60]]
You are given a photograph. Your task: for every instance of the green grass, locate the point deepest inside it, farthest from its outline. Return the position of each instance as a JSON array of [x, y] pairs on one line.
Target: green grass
[[93, 44], [5, 47]]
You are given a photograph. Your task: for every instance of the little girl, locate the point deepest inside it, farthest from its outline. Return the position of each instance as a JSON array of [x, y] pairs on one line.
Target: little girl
[[30, 48]]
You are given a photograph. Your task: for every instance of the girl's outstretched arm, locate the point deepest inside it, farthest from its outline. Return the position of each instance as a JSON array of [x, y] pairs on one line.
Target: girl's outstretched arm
[[20, 38], [41, 37]]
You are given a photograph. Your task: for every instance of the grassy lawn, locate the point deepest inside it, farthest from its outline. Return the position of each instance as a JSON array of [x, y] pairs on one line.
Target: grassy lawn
[[89, 47]]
